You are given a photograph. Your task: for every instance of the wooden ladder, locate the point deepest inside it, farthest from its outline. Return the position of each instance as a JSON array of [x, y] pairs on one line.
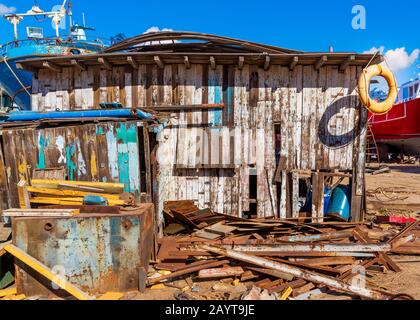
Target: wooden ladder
[[372, 153]]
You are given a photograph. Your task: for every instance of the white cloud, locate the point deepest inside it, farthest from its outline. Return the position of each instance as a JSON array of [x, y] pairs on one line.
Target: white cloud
[[397, 59], [6, 10], [157, 29], [373, 50]]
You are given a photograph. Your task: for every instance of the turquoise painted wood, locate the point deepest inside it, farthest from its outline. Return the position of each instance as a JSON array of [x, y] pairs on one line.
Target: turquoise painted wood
[[215, 96], [123, 158], [105, 152]]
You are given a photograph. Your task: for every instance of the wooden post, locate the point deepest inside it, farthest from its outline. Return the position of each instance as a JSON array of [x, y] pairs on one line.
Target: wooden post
[[295, 194], [23, 195], [321, 191], [315, 197], [283, 195], [358, 179]]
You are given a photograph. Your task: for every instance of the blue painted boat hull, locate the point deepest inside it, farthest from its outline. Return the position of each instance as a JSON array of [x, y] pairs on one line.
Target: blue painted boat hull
[[31, 50], [11, 85]]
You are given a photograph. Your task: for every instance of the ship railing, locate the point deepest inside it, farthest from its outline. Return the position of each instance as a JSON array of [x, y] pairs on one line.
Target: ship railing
[[70, 40]]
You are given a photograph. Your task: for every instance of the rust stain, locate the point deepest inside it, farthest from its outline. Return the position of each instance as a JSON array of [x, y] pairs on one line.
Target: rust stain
[[93, 164]]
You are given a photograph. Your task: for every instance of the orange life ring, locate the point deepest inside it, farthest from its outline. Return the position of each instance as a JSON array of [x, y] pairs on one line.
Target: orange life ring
[[364, 89]]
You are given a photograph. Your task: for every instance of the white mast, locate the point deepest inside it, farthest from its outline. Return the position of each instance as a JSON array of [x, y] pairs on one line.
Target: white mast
[[56, 17]]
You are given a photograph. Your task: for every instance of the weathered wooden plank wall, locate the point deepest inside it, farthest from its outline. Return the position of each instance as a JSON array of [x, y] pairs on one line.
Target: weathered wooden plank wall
[[207, 155], [106, 152]]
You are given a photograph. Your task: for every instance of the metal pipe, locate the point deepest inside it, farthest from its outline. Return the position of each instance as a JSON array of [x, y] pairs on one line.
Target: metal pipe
[[80, 114], [299, 273], [343, 247], [318, 237]]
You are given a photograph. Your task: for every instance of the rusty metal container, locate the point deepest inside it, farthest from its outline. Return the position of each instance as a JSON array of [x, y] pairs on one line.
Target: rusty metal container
[[96, 252]]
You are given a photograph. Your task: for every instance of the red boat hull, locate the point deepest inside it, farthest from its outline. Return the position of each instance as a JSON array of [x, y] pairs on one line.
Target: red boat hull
[[400, 128]]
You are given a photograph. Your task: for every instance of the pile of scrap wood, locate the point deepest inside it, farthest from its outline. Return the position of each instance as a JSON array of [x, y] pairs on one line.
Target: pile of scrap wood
[[41, 192], [284, 258]]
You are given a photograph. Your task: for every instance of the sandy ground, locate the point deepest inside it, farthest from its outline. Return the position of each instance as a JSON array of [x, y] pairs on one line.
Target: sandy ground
[[397, 193], [394, 193]]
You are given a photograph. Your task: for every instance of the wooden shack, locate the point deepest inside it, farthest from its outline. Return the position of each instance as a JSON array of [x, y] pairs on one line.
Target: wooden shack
[[246, 122]]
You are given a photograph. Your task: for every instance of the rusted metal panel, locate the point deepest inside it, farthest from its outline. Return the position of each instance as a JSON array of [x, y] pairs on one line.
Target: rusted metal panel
[[96, 252]]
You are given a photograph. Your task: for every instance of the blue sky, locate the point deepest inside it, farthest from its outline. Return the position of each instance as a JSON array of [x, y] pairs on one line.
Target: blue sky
[[304, 25]]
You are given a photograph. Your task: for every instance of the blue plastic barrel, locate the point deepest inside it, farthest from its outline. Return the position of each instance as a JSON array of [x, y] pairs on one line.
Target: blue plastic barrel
[[327, 198], [340, 203]]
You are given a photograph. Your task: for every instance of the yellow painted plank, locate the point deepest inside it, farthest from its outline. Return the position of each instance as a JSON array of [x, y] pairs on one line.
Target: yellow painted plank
[[159, 286], [15, 297], [55, 202], [2, 245], [8, 292], [71, 193], [286, 294], [47, 272], [107, 187], [23, 195], [111, 296], [70, 201]]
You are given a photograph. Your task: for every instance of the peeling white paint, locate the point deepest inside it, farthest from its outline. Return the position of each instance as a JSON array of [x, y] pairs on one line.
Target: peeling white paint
[[134, 166], [112, 153], [59, 142], [81, 165]]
